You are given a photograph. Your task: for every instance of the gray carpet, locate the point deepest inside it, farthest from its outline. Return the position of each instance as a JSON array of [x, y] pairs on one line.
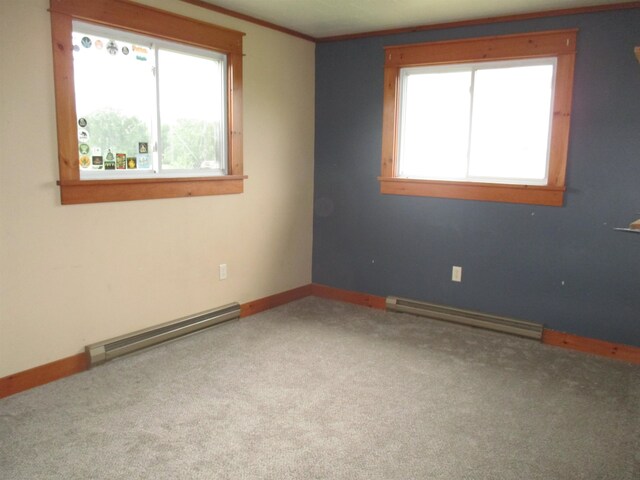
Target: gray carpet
[[318, 389]]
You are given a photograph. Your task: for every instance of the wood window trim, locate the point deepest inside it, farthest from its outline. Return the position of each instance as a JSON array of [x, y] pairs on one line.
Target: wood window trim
[[139, 18], [560, 44]]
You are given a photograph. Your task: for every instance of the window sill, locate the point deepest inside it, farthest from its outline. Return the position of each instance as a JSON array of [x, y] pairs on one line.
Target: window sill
[[97, 191], [488, 192]]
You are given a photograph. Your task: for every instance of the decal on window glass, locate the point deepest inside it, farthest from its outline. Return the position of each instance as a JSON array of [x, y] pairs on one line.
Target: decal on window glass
[[83, 135], [112, 48], [121, 161], [143, 161]]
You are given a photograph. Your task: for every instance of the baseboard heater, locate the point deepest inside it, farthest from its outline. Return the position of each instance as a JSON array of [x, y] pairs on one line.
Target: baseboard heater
[[100, 352], [466, 317]]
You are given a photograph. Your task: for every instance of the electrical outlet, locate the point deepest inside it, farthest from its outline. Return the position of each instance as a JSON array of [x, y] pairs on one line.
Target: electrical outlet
[[456, 274], [223, 271]]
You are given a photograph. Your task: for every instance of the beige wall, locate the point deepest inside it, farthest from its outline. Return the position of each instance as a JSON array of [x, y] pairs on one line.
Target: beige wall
[[73, 275]]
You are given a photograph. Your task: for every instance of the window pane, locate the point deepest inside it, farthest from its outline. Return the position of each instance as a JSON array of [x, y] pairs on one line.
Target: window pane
[[115, 104], [510, 124], [435, 125], [192, 105]]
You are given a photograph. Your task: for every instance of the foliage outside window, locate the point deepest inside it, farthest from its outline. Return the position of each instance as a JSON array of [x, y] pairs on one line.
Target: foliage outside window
[[148, 103], [480, 119]]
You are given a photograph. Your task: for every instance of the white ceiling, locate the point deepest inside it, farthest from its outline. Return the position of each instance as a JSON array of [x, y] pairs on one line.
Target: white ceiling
[[325, 18]]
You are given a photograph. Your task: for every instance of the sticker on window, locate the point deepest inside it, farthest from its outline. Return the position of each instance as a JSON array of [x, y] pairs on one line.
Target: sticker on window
[[112, 48], [83, 135], [143, 161], [121, 161]]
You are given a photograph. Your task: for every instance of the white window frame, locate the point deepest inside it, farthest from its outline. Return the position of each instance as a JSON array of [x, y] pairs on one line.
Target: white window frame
[[155, 148], [473, 67], [560, 44], [157, 23]]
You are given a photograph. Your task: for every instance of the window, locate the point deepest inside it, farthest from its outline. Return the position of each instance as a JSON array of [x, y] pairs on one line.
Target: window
[[480, 119], [148, 103], [161, 114]]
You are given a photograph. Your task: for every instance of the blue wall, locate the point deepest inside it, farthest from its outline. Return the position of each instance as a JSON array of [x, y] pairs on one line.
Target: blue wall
[[561, 266]]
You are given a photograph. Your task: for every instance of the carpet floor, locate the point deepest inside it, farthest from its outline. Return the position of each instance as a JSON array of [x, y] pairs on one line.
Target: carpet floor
[[325, 390]]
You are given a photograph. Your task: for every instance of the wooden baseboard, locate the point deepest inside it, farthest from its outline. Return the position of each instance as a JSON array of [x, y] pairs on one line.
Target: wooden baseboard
[[364, 299], [266, 303], [626, 353], [34, 377]]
